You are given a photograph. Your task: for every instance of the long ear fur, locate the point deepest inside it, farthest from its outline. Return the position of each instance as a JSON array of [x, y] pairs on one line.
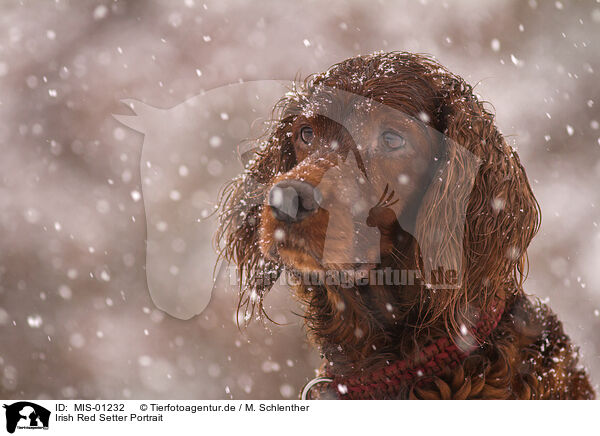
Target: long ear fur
[[241, 203], [440, 223], [502, 214]]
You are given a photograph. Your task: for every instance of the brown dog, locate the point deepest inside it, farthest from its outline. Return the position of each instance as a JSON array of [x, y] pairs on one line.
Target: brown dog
[[388, 194]]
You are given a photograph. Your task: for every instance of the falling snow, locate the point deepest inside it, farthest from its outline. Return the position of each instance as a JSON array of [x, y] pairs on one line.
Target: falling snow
[[74, 294]]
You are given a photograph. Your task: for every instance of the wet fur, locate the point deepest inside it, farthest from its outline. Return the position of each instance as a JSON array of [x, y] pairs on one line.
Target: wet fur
[[528, 356]]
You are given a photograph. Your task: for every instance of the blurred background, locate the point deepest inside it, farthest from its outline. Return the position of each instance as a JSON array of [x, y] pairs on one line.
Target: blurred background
[[76, 317]]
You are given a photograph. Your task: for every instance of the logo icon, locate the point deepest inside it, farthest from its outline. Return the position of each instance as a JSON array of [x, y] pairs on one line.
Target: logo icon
[[26, 415]]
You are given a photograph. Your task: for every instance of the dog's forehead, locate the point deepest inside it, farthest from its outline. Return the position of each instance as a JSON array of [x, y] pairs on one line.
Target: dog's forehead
[[353, 110]]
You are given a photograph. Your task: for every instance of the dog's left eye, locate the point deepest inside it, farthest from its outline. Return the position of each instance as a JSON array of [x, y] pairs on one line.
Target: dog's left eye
[[307, 134], [392, 141]]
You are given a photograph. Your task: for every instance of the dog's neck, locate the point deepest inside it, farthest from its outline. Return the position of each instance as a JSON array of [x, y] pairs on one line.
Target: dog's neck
[[364, 327], [361, 329]]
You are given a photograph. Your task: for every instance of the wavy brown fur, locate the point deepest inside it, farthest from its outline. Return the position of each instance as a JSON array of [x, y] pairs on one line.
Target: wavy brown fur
[[528, 356]]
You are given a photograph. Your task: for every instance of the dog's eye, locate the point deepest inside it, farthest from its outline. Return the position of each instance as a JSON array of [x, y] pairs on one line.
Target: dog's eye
[[392, 141], [307, 134]]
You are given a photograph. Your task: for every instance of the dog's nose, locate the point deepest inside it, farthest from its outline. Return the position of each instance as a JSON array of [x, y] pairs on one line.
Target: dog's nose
[[293, 200]]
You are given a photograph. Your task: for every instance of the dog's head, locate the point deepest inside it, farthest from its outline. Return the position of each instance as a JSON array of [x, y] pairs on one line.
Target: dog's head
[[383, 160]]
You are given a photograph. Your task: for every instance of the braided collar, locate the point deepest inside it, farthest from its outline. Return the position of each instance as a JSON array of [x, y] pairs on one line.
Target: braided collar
[[432, 360]]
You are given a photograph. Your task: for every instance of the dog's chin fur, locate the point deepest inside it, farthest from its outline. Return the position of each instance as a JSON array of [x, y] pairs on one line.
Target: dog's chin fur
[[299, 261]]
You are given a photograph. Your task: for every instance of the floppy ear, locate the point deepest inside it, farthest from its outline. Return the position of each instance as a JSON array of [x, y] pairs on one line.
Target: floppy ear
[[479, 214], [440, 223], [241, 204]]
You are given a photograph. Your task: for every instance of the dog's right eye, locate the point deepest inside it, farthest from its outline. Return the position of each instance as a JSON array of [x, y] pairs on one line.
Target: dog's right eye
[[307, 134]]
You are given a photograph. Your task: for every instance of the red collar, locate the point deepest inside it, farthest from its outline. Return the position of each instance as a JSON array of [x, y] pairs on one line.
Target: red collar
[[432, 360]]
